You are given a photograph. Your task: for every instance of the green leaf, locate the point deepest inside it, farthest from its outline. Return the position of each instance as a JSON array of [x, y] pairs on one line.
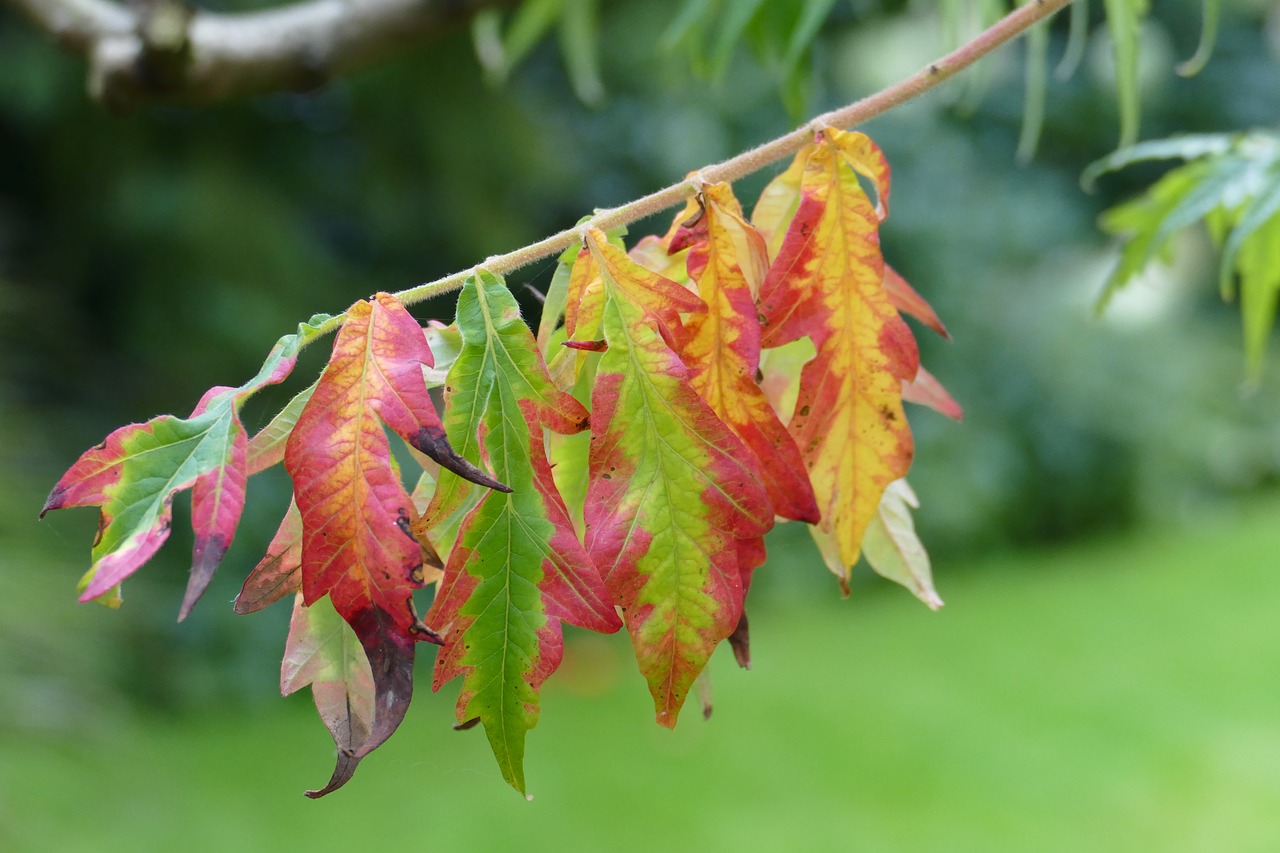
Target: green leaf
[[1036, 86], [1190, 146], [732, 28], [813, 14], [1233, 185], [1208, 35], [580, 46], [1124, 18], [266, 448], [1259, 264], [1259, 209], [1077, 41], [517, 568]]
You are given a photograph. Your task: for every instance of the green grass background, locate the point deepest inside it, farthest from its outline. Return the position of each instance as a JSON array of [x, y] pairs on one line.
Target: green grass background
[[1120, 695]]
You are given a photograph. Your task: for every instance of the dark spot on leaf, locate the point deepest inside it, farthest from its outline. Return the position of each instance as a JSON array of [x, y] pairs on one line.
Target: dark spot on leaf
[[804, 412], [405, 525], [103, 521]]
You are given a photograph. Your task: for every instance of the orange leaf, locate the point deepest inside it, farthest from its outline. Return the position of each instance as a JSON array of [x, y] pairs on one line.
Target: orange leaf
[[727, 260]]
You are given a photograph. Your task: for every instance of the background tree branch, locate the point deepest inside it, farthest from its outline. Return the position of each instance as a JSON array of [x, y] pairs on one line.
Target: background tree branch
[[165, 50]]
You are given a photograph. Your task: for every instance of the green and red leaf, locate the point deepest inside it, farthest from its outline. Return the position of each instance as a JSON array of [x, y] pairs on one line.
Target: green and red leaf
[[672, 491], [517, 569], [358, 545], [136, 472]]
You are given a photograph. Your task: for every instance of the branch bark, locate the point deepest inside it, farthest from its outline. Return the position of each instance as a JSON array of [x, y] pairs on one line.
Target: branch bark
[[164, 50]]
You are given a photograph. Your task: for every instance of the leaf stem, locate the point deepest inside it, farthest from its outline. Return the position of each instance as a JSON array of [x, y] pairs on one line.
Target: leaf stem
[[1009, 27]]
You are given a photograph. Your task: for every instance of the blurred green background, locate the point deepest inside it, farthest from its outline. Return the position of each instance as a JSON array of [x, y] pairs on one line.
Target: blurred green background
[[1102, 524]]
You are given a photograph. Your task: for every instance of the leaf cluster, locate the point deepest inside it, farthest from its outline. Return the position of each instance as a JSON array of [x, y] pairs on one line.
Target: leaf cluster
[[620, 468], [1231, 183]]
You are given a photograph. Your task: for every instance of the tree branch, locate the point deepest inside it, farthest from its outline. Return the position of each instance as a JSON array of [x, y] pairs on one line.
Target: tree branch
[[163, 50], [1012, 25]]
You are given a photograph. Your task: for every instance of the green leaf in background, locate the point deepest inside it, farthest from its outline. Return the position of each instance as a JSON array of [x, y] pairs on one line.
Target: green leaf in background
[[1208, 35], [1037, 82], [580, 46], [1123, 20], [1077, 41], [1232, 182]]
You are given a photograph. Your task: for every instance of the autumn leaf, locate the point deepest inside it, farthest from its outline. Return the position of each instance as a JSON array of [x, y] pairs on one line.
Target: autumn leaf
[[358, 546], [517, 569], [323, 653], [279, 572], [903, 297], [893, 548], [926, 390], [827, 283], [134, 474], [727, 260], [671, 493]]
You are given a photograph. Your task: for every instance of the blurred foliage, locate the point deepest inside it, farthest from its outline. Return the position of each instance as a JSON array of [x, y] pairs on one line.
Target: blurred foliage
[[1231, 182], [144, 259]]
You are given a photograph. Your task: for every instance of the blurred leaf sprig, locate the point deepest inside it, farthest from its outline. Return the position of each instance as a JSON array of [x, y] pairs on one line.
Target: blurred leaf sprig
[[1231, 182]]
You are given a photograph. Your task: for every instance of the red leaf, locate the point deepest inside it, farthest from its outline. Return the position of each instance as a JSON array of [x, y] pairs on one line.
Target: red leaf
[[358, 547]]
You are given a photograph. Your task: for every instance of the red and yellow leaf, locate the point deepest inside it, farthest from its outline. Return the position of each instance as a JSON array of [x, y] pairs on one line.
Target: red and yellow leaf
[[727, 261], [671, 493], [827, 284]]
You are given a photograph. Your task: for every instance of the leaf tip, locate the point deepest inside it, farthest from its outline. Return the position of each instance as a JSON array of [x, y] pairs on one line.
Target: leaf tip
[[343, 770], [54, 501], [208, 555], [432, 441]]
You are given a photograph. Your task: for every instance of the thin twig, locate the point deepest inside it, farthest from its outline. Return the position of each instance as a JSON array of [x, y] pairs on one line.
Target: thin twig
[[1009, 27]]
